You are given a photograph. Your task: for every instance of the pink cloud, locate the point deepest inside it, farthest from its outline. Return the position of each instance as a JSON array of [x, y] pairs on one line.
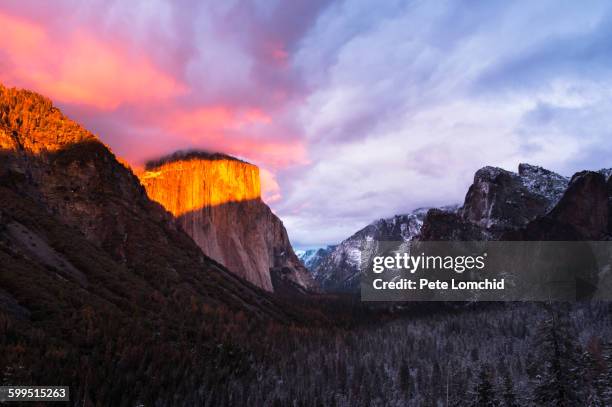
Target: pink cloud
[[215, 119], [244, 132], [80, 69]]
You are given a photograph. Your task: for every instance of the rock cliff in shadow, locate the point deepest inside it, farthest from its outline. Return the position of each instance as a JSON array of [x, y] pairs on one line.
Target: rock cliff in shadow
[[216, 199]]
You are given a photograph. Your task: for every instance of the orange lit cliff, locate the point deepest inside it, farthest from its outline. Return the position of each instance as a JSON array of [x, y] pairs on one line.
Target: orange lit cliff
[[216, 199]]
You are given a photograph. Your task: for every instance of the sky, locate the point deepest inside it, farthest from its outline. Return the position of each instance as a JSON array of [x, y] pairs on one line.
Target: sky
[[353, 110]]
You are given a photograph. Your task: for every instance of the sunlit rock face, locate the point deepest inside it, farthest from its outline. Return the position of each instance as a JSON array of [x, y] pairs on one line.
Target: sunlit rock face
[[191, 183], [216, 199]]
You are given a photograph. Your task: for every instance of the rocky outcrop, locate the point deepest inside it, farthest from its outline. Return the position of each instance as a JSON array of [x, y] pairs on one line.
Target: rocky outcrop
[[607, 173], [500, 200], [449, 226], [582, 213], [584, 205], [533, 204], [216, 199]]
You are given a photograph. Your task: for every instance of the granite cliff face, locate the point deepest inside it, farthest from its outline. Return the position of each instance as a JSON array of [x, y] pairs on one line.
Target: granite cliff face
[[533, 204], [500, 199], [216, 199], [497, 202], [582, 213]]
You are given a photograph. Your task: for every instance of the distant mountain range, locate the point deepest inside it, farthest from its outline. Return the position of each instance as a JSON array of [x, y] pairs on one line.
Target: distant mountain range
[[532, 204], [311, 258]]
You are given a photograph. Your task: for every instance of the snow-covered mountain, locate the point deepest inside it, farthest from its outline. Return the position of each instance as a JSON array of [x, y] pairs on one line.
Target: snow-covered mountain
[[311, 258], [339, 270], [543, 182]]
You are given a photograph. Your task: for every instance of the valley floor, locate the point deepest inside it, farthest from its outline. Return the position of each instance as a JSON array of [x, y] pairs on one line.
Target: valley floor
[[507, 354]]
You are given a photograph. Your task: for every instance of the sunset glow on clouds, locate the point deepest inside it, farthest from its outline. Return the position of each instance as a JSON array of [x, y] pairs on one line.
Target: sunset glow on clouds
[[82, 70], [354, 109], [150, 78], [173, 77]]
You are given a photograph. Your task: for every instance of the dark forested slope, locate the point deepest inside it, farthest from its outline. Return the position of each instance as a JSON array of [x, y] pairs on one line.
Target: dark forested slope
[[98, 287]]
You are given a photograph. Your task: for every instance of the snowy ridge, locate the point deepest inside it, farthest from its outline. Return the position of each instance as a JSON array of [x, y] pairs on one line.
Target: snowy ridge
[[606, 172], [543, 182], [311, 258], [339, 269], [499, 199]]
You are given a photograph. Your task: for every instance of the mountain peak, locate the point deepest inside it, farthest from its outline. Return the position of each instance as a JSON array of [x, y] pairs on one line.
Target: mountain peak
[[526, 169], [499, 199], [606, 172], [32, 124]]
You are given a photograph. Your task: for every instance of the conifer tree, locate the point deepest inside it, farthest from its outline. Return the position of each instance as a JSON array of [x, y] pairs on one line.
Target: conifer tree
[[404, 378], [606, 376], [483, 394], [508, 396], [594, 369], [559, 380]]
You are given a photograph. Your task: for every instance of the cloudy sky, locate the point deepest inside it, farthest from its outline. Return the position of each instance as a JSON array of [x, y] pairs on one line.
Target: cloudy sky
[[354, 110]]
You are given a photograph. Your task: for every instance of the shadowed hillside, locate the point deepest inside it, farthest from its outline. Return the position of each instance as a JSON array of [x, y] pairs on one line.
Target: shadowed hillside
[[97, 279]]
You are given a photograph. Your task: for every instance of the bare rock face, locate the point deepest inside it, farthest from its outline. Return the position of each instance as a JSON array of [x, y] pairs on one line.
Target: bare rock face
[[584, 205], [216, 199], [501, 200], [442, 225]]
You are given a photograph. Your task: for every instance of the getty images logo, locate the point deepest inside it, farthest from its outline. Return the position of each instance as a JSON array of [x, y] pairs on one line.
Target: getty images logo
[[405, 261]]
